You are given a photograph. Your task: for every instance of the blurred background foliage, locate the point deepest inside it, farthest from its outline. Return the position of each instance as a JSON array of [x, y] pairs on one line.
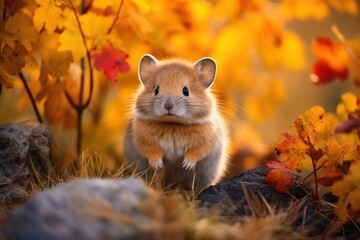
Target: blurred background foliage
[[263, 50]]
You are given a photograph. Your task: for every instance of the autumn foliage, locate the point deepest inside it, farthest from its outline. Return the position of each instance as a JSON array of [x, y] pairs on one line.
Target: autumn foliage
[[326, 145], [73, 65]]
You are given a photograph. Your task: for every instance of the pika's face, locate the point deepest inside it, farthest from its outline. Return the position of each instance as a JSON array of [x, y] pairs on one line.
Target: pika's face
[[173, 92]]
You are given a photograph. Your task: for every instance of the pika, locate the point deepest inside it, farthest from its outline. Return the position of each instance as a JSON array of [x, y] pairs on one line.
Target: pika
[[175, 126]]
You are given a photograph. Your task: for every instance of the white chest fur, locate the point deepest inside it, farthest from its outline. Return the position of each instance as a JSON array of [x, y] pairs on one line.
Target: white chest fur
[[172, 147]]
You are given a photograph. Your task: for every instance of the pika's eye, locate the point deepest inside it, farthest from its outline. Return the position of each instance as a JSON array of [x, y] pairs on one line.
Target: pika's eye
[[157, 90], [186, 91]]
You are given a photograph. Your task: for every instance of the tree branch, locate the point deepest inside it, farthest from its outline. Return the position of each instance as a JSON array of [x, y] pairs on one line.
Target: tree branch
[[32, 99], [348, 49], [116, 17], [80, 107]]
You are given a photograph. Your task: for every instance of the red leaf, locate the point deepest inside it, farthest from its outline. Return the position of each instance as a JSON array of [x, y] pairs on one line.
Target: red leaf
[[324, 73], [111, 62], [330, 177], [280, 180], [332, 61], [277, 165]]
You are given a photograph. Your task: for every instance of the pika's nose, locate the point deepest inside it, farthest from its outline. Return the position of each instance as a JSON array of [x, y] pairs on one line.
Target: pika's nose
[[169, 104]]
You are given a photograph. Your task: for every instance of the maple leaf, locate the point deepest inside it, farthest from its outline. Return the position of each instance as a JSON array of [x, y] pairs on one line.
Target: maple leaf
[[280, 177], [332, 61], [53, 62], [307, 139], [333, 161], [292, 150], [111, 62], [94, 27], [47, 15], [19, 28], [314, 127]]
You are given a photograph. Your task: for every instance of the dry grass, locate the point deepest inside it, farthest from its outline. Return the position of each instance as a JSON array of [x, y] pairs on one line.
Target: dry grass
[[175, 215]]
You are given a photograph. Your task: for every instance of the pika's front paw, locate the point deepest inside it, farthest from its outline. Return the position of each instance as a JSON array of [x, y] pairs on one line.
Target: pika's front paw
[[156, 164], [189, 166]]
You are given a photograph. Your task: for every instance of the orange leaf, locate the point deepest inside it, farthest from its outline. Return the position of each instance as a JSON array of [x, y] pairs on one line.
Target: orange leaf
[[280, 180], [323, 72], [332, 61], [56, 106], [277, 165], [292, 150]]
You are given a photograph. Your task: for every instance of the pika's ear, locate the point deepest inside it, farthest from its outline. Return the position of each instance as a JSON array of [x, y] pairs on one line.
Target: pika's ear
[[146, 65], [206, 68]]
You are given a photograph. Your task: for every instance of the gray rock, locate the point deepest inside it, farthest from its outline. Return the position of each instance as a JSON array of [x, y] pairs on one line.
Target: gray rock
[[24, 147], [86, 209], [230, 197]]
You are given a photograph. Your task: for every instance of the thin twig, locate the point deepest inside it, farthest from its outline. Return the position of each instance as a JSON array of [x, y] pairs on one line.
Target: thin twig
[[32, 99], [116, 17], [88, 55], [305, 178], [316, 183], [348, 49], [80, 107], [2, 25], [72, 103], [86, 9]]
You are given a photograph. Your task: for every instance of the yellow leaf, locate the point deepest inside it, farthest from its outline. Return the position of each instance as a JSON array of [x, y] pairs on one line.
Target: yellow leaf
[[19, 28], [227, 55], [292, 51], [94, 26], [348, 105], [47, 14], [53, 62], [264, 97], [348, 191], [138, 22], [105, 4], [315, 127], [56, 106], [336, 153], [304, 9], [348, 6]]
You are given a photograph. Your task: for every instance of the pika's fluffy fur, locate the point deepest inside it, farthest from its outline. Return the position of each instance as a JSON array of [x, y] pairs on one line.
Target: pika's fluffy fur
[[175, 127]]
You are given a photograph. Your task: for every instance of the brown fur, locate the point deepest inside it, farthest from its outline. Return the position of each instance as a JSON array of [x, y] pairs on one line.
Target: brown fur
[[192, 131]]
